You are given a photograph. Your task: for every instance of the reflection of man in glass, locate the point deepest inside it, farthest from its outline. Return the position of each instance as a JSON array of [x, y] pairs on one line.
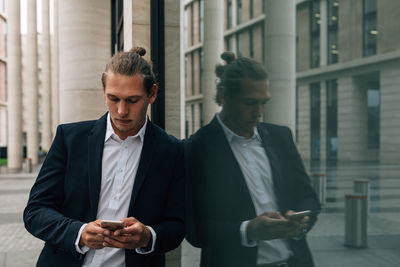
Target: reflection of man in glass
[[243, 175]]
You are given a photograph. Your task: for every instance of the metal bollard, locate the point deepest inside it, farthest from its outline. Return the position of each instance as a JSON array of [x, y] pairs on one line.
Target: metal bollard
[[319, 184], [28, 165], [356, 221], [362, 186]]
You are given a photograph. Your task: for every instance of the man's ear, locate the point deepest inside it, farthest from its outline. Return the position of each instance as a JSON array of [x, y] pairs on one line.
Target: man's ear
[[153, 94]]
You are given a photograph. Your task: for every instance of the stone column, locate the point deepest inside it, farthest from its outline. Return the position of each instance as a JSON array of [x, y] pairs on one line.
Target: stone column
[[84, 49], [14, 85], [32, 82], [213, 46], [55, 88], [174, 120], [46, 77], [280, 60]]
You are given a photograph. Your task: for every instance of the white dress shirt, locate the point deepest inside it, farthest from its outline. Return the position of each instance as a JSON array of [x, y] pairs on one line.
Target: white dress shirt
[[119, 166], [256, 169]]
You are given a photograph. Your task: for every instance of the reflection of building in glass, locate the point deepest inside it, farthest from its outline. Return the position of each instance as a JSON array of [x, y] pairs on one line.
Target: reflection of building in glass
[[243, 34], [348, 73]]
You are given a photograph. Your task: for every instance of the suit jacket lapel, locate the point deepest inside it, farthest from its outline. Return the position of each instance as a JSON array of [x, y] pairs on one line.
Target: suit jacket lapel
[[145, 160], [95, 154], [274, 162]]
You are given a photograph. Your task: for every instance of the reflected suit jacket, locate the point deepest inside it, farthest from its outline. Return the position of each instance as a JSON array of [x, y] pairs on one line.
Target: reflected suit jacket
[[218, 200], [66, 193]]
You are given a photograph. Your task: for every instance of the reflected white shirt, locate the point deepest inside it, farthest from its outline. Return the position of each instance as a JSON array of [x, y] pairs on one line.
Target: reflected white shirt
[[256, 169], [119, 166]]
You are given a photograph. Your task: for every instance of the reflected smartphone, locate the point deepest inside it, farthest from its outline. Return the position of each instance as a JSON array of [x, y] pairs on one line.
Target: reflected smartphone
[[111, 225], [299, 215]]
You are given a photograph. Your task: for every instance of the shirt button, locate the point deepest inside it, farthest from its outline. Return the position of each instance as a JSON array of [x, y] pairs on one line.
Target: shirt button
[[120, 170]]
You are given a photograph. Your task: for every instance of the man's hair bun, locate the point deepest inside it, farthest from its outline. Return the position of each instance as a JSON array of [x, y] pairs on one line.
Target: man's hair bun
[[138, 50], [228, 56]]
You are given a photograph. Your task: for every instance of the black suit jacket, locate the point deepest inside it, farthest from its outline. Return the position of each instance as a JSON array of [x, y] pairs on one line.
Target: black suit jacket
[[66, 193], [218, 199]]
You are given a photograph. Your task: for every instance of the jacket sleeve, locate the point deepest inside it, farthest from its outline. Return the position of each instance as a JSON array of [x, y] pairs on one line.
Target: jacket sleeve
[[305, 196], [171, 231], [43, 215]]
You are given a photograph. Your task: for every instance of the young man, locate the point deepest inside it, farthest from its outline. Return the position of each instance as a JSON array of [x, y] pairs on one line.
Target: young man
[[246, 178], [120, 167]]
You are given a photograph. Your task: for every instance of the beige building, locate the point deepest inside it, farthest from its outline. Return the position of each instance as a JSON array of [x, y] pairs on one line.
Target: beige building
[[348, 68]]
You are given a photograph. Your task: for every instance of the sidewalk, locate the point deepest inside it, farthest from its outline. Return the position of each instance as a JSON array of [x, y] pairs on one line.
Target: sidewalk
[[19, 249]]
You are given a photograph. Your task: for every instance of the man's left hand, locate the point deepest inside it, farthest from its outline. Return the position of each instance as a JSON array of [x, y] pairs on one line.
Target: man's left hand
[[133, 235]]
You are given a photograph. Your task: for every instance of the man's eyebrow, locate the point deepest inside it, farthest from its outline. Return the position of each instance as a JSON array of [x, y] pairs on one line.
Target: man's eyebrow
[[129, 97]]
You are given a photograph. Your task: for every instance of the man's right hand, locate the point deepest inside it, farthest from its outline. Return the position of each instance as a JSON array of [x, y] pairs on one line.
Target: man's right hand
[[272, 225], [92, 235]]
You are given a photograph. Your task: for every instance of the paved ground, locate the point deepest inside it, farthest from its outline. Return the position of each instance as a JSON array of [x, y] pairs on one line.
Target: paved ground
[[20, 249]]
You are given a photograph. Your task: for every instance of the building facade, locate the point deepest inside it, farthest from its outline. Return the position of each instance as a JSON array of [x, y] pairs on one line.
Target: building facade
[[348, 80]]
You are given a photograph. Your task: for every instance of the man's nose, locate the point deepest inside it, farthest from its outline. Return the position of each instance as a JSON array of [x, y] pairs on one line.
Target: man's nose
[[259, 110], [122, 108]]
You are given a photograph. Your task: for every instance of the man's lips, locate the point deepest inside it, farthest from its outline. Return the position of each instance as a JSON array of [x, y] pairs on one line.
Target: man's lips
[[121, 121]]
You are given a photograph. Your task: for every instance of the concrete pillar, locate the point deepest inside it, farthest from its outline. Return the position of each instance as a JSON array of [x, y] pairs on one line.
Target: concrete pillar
[[323, 37], [84, 49], [46, 77], [32, 83], [55, 85], [213, 46], [389, 149], [174, 100], [279, 45], [14, 85]]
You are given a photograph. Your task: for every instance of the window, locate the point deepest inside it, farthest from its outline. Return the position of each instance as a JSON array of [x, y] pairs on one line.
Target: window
[[331, 120], [192, 74], [201, 69], [229, 14], [333, 17], [191, 25], [239, 42], [201, 16], [186, 75], [373, 106], [251, 44], [185, 29], [117, 26], [238, 12], [201, 114], [315, 33], [370, 30], [251, 9], [315, 99], [192, 109]]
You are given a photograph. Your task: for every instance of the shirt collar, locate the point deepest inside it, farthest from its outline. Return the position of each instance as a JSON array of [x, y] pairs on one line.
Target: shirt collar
[[111, 133], [230, 135]]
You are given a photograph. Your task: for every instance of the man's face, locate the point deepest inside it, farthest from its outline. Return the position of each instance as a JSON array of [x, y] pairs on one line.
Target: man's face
[[242, 111], [127, 102]]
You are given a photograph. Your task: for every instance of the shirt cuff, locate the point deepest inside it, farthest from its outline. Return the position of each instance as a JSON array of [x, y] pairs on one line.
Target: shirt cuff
[[83, 249], [243, 236], [142, 250]]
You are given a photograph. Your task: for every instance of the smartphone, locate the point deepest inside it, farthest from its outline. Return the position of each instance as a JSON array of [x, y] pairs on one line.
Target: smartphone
[[299, 215], [111, 225]]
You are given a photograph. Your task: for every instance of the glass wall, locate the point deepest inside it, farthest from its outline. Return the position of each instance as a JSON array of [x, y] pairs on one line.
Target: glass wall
[[333, 22], [370, 30], [315, 100], [315, 33], [331, 120]]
